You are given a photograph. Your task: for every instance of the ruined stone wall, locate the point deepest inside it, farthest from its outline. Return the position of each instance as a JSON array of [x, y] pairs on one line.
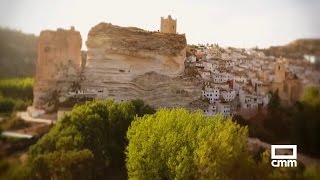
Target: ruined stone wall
[[58, 65]]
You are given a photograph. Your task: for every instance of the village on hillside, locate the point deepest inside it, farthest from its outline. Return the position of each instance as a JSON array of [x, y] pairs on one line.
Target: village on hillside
[[240, 81]]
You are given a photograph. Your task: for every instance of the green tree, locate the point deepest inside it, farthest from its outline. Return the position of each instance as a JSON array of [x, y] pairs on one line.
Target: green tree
[[6, 104], [141, 108], [178, 144], [274, 102], [15, 94], [311, 96], [17, 88], [277, 119], [311, 173], [306, 123], [88, 143]]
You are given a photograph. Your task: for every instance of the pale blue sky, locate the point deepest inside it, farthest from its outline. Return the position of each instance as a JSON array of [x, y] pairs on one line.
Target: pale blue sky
[[239, 23]]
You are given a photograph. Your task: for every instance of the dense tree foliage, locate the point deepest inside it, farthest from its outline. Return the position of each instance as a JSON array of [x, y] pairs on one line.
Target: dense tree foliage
[[15, 94], [255, 129], [86, 144], [21, 88], [274, 102], [311, 173], [18, 53], [90, 143], [306, 121], [178, 144], [277, 121], [311, 97], [8, 105]]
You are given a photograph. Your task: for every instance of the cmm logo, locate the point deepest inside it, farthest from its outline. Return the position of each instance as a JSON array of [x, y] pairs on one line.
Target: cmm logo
[[284, 160]]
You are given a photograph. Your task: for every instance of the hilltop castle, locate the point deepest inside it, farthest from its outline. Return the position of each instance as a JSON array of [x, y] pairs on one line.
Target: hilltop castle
[[168, 25]]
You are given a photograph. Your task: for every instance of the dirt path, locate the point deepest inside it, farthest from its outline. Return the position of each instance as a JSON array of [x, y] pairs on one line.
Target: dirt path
[[25, 116]]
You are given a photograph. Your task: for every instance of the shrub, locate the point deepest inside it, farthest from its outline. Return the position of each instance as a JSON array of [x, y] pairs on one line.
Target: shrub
[[17, 88], [6, 104], [13, 122]]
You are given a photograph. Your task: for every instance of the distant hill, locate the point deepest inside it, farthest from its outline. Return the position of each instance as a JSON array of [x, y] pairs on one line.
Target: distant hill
[[18, 53], [295, 49]]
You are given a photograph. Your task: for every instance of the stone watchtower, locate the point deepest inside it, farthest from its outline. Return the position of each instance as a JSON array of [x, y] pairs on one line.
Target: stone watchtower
[[57, 67], [280, 72], [168, 25]]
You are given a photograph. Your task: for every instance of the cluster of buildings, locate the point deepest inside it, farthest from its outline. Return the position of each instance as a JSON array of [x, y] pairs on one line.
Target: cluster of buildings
[[240, 80]]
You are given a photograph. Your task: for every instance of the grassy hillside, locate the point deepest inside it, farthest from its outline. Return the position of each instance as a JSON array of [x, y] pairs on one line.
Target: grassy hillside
[[18, 53]]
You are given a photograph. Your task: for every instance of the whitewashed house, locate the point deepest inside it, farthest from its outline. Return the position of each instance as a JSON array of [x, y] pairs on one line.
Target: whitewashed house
[[219, 78], [208, 66], [212, 94], [199, 65], [228, 95], [241, 78], [192, 59], [205, 74], [250, 101], [224, 108]]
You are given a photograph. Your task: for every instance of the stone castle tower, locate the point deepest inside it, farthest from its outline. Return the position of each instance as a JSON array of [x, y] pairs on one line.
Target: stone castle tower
[[58, 64], [286, 84], [168, 25], [280, 72]]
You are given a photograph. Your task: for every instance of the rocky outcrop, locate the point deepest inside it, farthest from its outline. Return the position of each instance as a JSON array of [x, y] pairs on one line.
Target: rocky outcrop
[[121, 63], [57, 67], [134, 50], [155, 89], [128, 63]]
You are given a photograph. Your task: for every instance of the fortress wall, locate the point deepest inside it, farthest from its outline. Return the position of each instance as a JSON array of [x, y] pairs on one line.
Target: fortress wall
[[58, 64]]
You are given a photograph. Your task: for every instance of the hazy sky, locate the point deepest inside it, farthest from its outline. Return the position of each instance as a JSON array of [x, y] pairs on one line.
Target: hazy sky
[[239, 23]]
